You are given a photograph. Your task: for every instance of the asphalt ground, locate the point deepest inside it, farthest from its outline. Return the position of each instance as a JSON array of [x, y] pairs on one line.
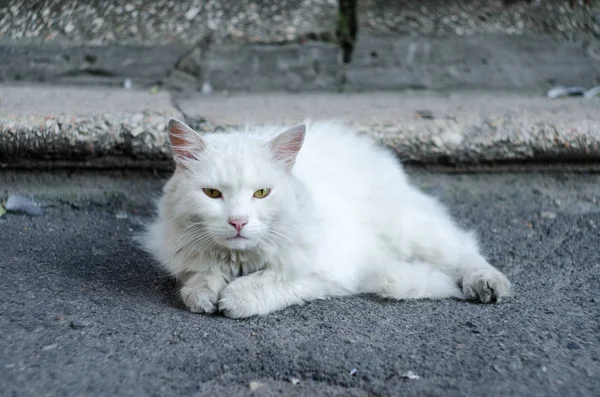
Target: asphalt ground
[[84, 312]]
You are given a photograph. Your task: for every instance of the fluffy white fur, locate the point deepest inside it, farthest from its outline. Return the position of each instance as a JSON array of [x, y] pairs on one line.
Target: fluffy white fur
[[341, 219]]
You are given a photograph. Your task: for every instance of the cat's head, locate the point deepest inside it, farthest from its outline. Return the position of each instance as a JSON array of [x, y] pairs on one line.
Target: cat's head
[[235, 189]]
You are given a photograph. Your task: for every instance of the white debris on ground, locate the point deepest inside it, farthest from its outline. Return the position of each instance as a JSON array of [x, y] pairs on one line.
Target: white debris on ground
[[121, 215], [255, 385], [21, 204], [410, 375], [207, 88], [592, 92], [548, 215], [562, 91]]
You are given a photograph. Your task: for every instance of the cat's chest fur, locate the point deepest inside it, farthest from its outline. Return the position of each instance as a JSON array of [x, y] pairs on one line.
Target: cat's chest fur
[[239, 263]]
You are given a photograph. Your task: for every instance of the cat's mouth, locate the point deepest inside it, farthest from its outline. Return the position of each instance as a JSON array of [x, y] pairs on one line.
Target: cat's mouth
[[238, 242]]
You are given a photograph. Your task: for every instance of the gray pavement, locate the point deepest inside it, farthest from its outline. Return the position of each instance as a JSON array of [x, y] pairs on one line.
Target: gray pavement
[[86, 313], [103, 127]]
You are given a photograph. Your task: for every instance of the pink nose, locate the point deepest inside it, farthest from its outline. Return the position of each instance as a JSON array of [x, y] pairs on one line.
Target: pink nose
[[237, 223]]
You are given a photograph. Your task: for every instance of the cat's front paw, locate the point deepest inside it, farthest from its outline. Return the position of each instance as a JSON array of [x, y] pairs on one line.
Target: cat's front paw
[[200, 300], [486, 286], [238, 299]]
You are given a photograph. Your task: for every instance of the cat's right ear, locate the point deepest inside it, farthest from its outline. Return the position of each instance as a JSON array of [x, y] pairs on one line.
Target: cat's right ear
[[185, 142], [286, 145]]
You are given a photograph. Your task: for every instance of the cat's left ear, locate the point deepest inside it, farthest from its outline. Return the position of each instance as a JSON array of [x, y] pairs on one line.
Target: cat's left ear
[[286, 145]]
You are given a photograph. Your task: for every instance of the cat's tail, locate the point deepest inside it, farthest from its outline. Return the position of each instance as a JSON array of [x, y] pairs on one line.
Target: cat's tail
[[415, 281]]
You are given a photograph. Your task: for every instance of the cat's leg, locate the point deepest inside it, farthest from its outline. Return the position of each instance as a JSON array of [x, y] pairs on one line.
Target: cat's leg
[[412, 281], [265, 291], [430, 235], [456, 254], [200, 291]]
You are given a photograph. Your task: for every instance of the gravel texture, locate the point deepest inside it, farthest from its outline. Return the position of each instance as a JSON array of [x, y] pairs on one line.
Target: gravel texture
[[469, 17], [86, 313], [166, 21]]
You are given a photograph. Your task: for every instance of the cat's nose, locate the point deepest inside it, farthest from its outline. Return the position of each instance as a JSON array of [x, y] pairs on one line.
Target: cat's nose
[[238, 223]]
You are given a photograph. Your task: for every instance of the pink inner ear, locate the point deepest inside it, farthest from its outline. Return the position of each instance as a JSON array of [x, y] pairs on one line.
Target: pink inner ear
[[184, 141], [287, 145]]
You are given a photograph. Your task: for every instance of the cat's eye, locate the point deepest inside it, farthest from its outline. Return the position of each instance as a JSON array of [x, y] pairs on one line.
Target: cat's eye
[[212, 193], [261, 193]]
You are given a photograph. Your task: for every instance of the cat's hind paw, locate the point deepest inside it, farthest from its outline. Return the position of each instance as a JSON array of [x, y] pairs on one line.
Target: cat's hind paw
[[486, 286], [200, 300]]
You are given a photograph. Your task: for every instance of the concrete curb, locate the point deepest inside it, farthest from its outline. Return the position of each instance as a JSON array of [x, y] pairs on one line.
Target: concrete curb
[[433, 128], [92, 127], [113, 128]]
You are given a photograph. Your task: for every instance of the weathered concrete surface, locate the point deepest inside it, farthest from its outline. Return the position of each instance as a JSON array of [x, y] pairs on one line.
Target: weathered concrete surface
[[438, 44], [153, 22], [88, 64], [51, 125], [116, 127], [106, 42], [478, 17], [299, 45], [86, 313], [427, 127], [525, 62], [310, 66]]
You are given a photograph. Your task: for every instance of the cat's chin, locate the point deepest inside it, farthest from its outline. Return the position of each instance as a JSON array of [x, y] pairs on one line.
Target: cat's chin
[[238, 243]]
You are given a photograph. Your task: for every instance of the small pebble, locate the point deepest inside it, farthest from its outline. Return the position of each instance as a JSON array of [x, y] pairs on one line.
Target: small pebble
[[410, 375], [49, 347], [69, 27], [548, 215], [75, 325], [255, 385], [425, 114], [191, 13], [206, 88]]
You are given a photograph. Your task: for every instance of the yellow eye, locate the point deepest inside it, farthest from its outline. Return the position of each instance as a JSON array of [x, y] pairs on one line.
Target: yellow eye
[[261, 193], [212, 193]]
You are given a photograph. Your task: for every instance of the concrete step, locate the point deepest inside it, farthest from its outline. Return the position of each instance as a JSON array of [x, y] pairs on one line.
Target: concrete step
[[302, 45], [110, 127]]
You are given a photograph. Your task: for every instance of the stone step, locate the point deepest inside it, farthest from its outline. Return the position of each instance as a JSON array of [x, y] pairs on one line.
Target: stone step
[[109, 127], [302, 45]]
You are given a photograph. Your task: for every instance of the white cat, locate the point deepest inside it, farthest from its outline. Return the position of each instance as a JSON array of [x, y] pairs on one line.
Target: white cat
[[260, 219]]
